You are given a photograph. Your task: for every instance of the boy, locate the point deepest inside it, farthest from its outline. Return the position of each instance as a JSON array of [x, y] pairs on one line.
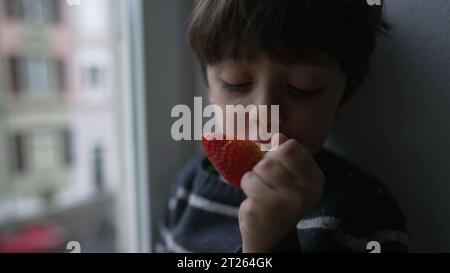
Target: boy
[[308, 57]]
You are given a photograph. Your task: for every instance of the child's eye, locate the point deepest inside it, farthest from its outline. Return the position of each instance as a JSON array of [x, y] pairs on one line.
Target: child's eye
[[242, 87], [304, 93]]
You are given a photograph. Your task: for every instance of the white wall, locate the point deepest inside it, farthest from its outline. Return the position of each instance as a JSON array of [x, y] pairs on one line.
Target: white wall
[[399, 125]]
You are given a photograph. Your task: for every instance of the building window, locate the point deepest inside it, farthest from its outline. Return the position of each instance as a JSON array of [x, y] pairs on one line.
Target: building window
[[18, 153], [34, 11], [94, 78], [60, 75], [43, 150], [52, 147], [98, 168], [36, 76], [14, 74], [67, 141]]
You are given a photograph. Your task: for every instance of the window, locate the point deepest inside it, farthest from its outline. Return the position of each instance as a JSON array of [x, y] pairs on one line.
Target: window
[[34, 11], [98, 168], [18, 153], [67, 143], [36, 75], [94, 78], [14, 74], [43, 150], [69, 157]]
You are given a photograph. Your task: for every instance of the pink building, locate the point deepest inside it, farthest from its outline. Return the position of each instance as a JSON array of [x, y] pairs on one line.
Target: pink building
[[59, 118]]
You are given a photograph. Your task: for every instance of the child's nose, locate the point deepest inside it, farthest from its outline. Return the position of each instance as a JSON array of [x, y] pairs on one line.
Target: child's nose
[[268, 96]]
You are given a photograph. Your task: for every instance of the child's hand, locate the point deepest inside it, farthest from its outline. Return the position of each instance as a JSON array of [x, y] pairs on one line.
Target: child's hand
[[285, 185]]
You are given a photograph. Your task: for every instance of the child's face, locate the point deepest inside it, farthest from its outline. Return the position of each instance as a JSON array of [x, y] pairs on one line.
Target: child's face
[[308, 93]]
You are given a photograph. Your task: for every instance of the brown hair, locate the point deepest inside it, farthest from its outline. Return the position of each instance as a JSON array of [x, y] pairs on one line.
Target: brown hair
[[288, 30]]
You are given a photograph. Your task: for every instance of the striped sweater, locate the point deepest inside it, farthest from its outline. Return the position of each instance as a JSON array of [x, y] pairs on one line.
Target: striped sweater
[[202, 213]]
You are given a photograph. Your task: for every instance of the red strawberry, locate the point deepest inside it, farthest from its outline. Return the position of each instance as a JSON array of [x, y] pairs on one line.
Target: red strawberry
[[231, 158]]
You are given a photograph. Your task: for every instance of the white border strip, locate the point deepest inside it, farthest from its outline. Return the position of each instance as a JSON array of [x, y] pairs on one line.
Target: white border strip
[[202, 203], [194, 200], [322, 222], [170, 244]]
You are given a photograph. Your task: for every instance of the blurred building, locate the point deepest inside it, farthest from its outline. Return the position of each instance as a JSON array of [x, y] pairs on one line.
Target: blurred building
[[59, 129]]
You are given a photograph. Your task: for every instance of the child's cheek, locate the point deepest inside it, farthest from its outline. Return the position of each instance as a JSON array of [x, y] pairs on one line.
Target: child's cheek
[[310, 129]]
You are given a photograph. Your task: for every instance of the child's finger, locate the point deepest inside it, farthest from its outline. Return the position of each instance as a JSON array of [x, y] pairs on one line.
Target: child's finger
[[255, 188], [296, 159], [274, 174]]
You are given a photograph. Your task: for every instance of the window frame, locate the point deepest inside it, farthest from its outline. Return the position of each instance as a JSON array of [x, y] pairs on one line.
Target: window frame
[[135, 131]]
